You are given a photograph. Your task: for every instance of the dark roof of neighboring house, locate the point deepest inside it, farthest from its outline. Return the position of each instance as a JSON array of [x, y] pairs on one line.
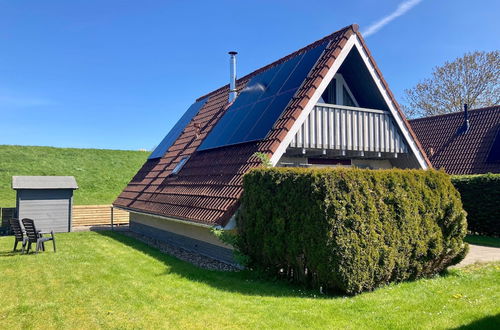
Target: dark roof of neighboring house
[[208, 188], [458, 152], [44, 182]]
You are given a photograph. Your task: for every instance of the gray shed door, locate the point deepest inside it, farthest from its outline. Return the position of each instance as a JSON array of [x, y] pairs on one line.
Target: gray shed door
[[50, 209]]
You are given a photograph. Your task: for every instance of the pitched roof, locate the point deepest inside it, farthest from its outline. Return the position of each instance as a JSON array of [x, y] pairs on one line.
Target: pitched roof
[[208, 188], [459, 152], [44, 182]]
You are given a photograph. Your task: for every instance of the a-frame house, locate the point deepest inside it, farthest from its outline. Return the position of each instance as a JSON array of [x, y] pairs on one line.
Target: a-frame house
[[326, 104]]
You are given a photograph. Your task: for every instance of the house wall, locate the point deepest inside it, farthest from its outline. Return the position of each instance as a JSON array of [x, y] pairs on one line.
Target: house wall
[[362, 163], [406, 161], [185, 235], [377, 164], [49, 208]]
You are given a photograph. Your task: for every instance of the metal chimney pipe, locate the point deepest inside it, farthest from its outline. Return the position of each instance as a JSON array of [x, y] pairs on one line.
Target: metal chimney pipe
[[232, 76], [466, 119]]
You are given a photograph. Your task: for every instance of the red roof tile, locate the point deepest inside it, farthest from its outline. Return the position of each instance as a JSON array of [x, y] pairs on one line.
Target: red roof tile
[[448, 147], [208, 188]]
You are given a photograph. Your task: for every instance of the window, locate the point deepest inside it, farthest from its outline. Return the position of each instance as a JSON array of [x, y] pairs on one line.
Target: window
[[337, 92], [347, 97], [180, 165], [329, 161], [330, 94]]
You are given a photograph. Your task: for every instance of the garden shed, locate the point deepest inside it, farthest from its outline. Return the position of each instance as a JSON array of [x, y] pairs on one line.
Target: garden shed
[[48, 200]]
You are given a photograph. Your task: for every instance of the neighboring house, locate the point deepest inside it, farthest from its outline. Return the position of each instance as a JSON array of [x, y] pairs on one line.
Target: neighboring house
[[326, 104], [460, 147]]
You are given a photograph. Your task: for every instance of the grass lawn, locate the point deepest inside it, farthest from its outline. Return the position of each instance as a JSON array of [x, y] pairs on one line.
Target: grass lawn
[[112, 281], [483, 240], [101, 174]]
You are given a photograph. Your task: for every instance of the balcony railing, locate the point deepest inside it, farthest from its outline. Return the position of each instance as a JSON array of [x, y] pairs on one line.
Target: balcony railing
[[343, 128]]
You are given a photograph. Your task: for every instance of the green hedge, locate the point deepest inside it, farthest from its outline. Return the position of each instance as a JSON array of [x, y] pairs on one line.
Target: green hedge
[[481, 199], [350, 230]]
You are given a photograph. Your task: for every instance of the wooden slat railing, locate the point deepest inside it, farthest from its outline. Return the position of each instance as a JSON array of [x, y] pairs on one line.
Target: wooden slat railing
[[95, 215]]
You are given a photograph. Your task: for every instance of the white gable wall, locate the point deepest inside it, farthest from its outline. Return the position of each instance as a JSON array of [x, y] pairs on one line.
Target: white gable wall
[[415, 159]]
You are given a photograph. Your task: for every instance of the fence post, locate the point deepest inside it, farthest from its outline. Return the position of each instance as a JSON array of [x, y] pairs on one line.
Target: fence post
[[112, 218]]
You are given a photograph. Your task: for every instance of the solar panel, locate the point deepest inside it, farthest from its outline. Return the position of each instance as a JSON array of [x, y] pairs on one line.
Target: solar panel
[[176, 131], [243, 127], [269, 117], [261, 102]]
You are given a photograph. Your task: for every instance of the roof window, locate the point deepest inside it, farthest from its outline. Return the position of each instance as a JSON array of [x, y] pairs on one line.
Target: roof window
[[180, 165]]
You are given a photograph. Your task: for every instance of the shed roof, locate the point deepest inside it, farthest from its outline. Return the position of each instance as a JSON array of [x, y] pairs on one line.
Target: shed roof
[[44, 182]]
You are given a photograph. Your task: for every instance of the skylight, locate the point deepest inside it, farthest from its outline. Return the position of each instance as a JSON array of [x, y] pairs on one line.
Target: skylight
[[180, 165]]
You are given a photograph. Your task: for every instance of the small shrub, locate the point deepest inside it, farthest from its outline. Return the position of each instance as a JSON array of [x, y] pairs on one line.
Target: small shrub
[[481, 199], [231, 237], [264, 158], [350, 230]]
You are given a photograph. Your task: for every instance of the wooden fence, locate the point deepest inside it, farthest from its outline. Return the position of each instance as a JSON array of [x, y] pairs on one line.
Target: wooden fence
[[83, 215], [95, 215], [5, 214]]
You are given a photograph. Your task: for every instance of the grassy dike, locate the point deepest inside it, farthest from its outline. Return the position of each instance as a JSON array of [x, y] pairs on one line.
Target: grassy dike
[[101, 174]]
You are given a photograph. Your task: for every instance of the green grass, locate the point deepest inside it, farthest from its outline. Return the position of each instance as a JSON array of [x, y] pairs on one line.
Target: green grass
[[101, 174], [108, 280], [483, 240]]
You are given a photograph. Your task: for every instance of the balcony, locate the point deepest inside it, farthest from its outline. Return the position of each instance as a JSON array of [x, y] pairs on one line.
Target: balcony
[[340, 130]]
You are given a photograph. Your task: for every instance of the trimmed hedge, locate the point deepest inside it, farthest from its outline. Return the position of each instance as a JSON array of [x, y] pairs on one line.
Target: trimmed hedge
[[350, 230], [481, 199]]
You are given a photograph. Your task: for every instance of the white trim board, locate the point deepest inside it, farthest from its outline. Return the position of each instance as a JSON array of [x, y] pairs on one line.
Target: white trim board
[[353, 41], [312, 102]]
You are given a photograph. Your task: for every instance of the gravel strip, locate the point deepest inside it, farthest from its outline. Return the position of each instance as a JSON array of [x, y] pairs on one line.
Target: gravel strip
[[100, 228], [191, 257]]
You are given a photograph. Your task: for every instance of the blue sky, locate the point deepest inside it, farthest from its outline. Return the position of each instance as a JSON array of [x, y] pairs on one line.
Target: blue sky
[[118, 74]]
